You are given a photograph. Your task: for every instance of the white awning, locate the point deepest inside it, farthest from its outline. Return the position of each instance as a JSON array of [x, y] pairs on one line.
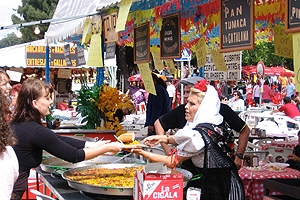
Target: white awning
[[73, 9], [15, 56]]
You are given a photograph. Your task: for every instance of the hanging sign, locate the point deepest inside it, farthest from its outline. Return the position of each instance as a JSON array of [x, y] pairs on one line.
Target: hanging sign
[[283, 43], [36, 56], [110, 50], [292, 16], [200, 49], [237, 25], [147, 78], [67, 55], [80, 56], [109, 28], [170, 38], [142, 43], [296, 58], [233, 61]]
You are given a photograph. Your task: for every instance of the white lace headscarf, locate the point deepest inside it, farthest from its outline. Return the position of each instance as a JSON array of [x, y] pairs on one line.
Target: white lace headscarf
[[190, 142]]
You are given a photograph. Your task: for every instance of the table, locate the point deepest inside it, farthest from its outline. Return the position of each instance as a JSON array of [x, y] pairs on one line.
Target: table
[[288, 187], [59, 187], [254, 180], [257, 116]]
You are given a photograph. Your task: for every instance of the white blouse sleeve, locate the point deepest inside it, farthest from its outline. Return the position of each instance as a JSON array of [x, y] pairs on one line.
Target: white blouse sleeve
[[190, 142]]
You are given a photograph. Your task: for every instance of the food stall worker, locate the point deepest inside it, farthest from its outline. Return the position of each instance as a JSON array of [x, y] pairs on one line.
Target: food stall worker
[[196, 144], [32, 105], [176, 119]]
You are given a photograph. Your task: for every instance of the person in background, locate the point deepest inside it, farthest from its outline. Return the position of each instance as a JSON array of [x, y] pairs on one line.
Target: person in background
[[294, 158], [13, 94], [289, 108], [32, 105], [256, 92], [157, 104], [267, 92], [296, 101], [171, 91], [176, 119], [5, 86], [8, 160], [224, 89], [192, 144], [236, 102], [290, 89], [73, 102], [224, 99]]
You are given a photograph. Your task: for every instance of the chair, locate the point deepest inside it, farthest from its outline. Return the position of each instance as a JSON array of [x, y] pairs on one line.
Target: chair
[[40, 196]]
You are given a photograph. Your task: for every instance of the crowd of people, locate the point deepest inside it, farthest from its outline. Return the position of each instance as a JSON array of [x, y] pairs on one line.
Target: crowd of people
[[203, 142]]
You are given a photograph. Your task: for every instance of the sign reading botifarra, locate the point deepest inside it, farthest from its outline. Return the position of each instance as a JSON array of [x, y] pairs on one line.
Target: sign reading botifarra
[[236, 25]]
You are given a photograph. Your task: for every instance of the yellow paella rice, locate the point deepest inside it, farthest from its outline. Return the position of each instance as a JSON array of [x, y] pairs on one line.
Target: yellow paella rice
[[104, 177]]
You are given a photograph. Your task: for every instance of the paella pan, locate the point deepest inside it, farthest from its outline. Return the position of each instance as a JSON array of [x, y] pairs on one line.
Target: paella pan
[[51, 164], [108, 179], [100, 179]]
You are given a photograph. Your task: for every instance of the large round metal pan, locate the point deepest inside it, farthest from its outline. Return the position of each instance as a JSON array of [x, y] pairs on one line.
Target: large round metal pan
[[115, 191], [187, 176], [52, 163]]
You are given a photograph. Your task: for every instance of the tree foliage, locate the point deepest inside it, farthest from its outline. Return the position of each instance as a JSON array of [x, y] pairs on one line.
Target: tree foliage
[[34, 10], [264, 51], [10, 40]]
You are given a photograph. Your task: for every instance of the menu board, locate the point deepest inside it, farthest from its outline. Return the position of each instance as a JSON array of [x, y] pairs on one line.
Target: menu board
[[236, 25], [142, 43], [170, 38], [292, 16], [36, 56], [110, 50], [67, 55]]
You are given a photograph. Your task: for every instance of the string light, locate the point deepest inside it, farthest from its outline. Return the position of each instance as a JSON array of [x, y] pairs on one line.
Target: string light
[[19, 33], [37, 30]]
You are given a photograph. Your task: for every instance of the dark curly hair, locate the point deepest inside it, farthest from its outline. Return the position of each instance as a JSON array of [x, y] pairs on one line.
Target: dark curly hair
[[6, 135]]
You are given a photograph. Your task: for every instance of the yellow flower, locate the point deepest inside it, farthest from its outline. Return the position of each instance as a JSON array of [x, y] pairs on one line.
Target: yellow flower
[[109, 101]]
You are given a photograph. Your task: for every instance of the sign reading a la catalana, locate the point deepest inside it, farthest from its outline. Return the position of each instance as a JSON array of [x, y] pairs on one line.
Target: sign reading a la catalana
[[292, 16], [236, 25], [36, 56]]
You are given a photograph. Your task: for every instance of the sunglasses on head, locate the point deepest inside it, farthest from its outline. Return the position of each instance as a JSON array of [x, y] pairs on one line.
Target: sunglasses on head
[[235, 95]]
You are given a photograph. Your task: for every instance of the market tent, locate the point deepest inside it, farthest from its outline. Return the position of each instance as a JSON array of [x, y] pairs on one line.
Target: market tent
[[280, 71], [74, 10]]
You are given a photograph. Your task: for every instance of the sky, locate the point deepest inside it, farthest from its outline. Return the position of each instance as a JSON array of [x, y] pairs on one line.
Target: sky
[[6, 10]]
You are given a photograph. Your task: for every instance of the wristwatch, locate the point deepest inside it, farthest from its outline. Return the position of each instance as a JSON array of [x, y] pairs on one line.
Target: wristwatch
[[240, 155]]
